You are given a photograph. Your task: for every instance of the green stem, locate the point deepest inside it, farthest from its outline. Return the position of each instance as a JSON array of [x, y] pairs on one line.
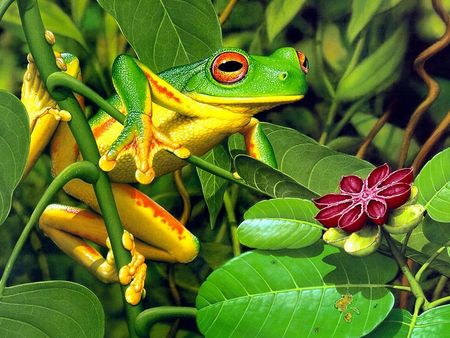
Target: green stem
[[429, 261], [56, 80], [416, 289], [85, 170], [346, 117], [405, 242], [437, 303], [330, 119], [45, 61], [229, 208], [399, 287], [439, 287], [320, 64], [147, 318], [419, 302], [4, 7], [355, 57]]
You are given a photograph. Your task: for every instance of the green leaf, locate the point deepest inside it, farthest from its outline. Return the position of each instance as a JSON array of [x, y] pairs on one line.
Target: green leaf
[[318, 291], [312, 165], [400, 324], [268, 180], [436, 232], [54, 18], [167, 33], [213, 187], [374, 71], [14, 145], [362, 12], [286, 223], [278, 15], [388, 140], [433, 182], [50, 309]]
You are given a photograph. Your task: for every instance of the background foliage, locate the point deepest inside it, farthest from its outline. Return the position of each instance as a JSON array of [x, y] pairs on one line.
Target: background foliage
[[361, 55]]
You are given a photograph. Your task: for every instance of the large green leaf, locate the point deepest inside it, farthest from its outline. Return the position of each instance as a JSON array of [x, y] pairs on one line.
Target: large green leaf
[[314, 166], [399, 324], [14, 145], [376, 70], [433, 182], [268, 180], [362, 12], [50, 309], [286, 223], [436, 232], [213, 187], [316, 292], [388, 140], [279, 13], [54, 18], [167, 33]]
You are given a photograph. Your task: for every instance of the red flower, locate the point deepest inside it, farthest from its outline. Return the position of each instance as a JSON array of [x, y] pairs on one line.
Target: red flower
[[360, 200]]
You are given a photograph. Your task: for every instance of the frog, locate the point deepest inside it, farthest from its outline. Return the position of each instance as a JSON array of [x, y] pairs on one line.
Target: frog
[[182, 111]]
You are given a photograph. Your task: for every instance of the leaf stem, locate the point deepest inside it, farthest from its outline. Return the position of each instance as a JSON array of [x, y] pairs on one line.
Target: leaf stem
[[439, 287], [147, 318], [438, 302], [419, 302], [229, 208], [429, 261], [416, 289], [59, 79], [346, 117], [373, 132], [4, 5], [329, 122], [227, 11], [85, 170]]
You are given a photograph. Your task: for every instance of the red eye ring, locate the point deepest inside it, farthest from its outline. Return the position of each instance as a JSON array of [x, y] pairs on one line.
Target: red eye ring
[[229, 67], [303, 60]]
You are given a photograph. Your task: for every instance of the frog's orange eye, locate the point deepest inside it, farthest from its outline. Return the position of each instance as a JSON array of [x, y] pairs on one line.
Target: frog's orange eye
[[304, 64], [229, 67]]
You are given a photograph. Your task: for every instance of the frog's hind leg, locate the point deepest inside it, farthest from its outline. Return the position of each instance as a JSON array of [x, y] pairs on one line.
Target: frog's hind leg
[[69, 227]]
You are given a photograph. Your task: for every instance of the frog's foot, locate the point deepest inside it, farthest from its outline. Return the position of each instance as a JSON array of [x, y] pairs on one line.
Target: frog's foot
[[133, 274], [145, 140]]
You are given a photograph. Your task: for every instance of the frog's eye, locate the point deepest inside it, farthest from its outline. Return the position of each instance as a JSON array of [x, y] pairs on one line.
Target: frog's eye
[[304, 64], [229, 67]]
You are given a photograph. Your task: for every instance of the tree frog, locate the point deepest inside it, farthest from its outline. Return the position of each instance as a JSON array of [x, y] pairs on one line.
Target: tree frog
[[187, 110]]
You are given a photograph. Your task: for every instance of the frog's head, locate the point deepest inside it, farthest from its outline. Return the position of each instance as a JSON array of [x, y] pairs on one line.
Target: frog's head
[[243, 83]]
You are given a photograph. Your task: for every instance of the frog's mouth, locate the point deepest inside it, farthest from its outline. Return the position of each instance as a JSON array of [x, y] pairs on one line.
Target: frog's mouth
[[245, 101]]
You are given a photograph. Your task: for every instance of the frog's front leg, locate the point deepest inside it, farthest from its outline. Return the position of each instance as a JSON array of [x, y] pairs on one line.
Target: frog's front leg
[[139, 133], [257, 143]]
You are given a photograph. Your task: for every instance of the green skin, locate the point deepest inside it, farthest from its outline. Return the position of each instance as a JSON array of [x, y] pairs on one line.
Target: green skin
[[268, 78]]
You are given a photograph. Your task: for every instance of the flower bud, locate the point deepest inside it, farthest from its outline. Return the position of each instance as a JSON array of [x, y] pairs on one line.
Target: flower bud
[[335, 237], [413, 197], [363, 242], [404, 219]]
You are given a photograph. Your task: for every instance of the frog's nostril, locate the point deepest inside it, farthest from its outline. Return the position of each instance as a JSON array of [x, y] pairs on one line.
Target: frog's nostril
[[283, 76]]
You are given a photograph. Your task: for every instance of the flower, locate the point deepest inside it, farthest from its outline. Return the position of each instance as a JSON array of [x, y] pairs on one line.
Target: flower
[[362, 200]]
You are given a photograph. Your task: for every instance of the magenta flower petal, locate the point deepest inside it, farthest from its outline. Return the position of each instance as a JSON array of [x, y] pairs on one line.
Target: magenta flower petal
[[395, 195], [378, 174], [353, 219], [330, 199], [351, 184], [404, 175], [377, 211], [329, 216]]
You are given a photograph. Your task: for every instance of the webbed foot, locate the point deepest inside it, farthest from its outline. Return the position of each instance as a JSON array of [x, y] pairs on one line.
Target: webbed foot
[[145, 140]]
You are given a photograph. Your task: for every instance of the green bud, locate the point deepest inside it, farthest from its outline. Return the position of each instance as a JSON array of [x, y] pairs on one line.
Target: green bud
[[404, 219], [335, 237], [413, 197], [363, 242]]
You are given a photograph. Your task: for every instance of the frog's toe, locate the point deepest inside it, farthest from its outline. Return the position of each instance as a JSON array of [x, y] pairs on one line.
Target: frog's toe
[[182, 152], [145, 177], [106, 164], [134, 273]]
